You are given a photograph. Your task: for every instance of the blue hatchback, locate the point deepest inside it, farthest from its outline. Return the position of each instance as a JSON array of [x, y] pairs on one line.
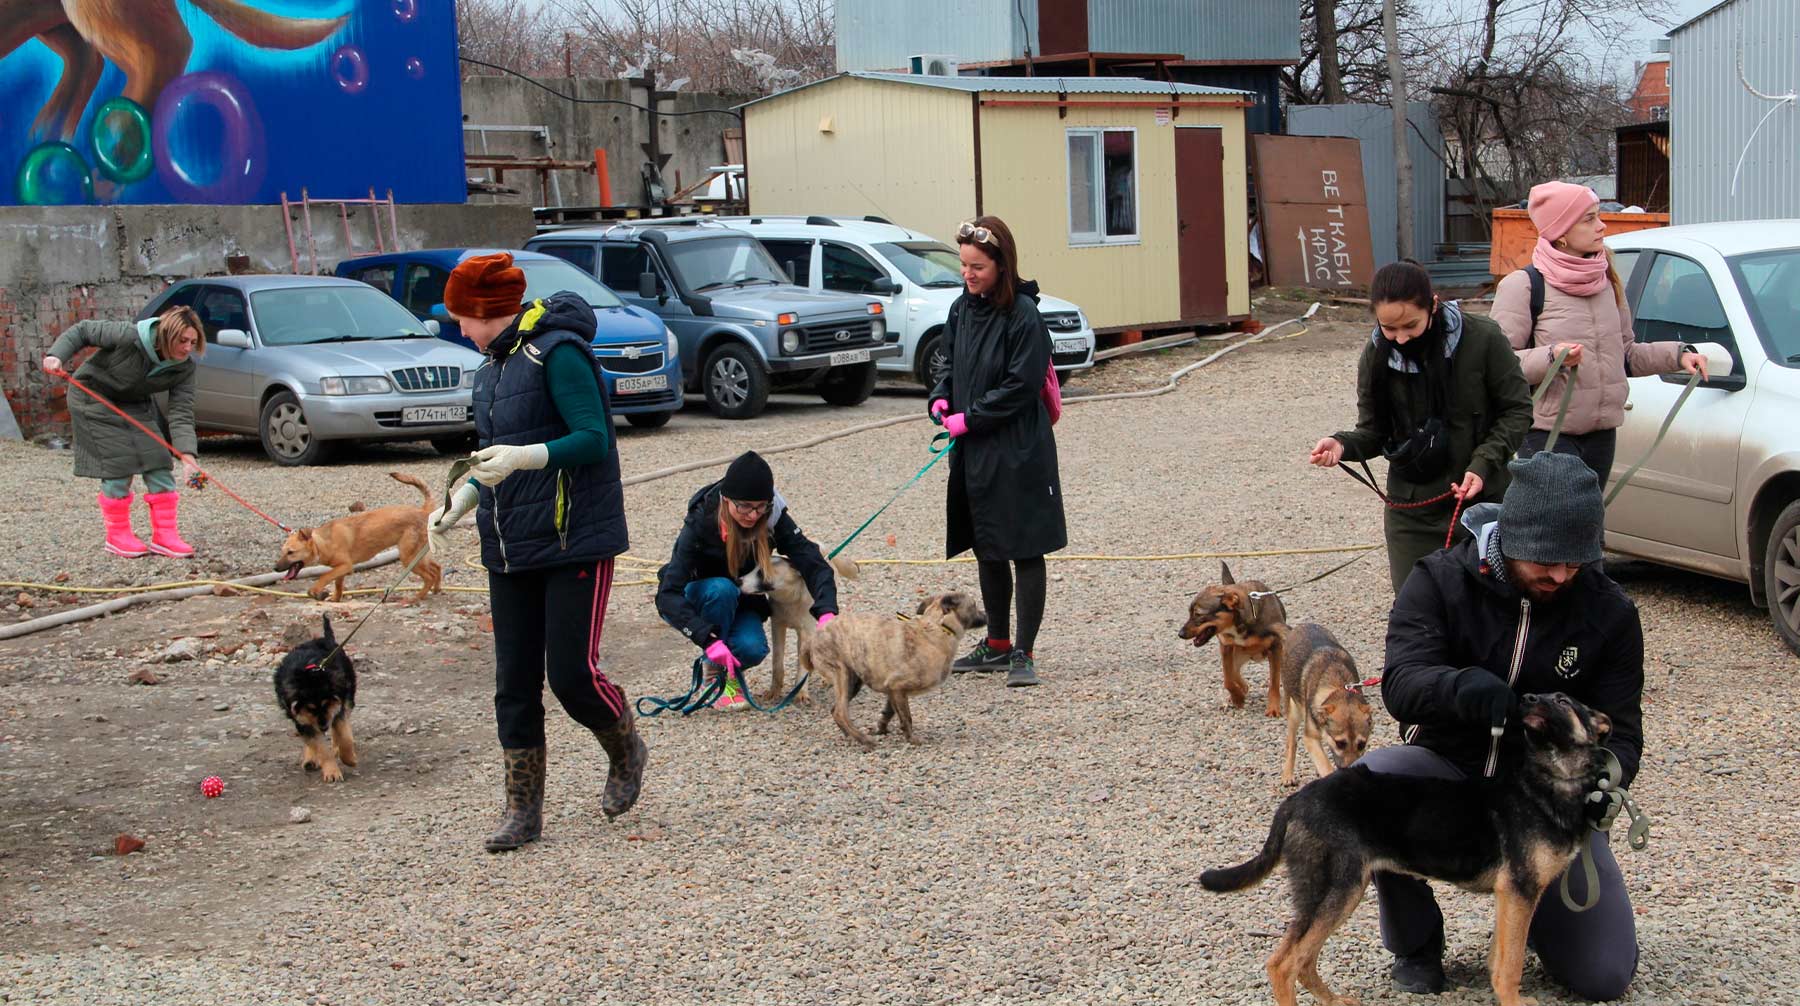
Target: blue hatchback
[[637, 352]]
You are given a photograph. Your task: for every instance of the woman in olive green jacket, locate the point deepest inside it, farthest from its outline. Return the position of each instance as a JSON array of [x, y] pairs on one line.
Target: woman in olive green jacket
[[133, 366], [1439, 394]]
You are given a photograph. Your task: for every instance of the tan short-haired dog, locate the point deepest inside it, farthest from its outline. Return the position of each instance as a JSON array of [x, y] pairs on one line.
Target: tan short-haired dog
[[900, 657], [790, 610], [346, 541], [1248, 620], [1322, 700]]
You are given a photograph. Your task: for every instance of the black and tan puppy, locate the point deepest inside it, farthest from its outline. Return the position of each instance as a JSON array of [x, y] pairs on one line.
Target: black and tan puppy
[[900, 657], [1320, 679], [790, 610], [1512, 836], [1248, 621], [317, 694]]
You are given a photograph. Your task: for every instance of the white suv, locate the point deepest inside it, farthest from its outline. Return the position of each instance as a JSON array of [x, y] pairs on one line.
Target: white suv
[[915, 276]]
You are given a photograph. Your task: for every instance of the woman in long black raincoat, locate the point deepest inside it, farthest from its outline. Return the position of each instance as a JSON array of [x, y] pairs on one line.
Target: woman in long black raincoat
[[1005, 498]]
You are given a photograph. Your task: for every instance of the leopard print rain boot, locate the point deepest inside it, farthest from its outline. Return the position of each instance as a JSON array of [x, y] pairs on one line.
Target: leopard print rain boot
[[626, 750], [524, 818]]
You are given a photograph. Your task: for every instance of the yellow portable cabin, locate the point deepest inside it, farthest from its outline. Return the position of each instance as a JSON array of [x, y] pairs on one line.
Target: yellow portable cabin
[[1126, 196]]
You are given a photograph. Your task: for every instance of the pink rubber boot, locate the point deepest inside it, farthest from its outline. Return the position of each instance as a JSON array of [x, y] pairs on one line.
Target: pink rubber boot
[[164, 538], [119, 539]]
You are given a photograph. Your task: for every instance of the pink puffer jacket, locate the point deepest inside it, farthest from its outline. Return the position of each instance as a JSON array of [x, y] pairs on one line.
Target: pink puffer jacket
[[1601, 326]]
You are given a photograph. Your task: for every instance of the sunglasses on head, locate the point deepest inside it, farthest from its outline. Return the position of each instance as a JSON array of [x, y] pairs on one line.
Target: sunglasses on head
[[980, 235]]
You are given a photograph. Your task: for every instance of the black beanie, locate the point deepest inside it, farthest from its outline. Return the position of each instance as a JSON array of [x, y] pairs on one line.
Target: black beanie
[[748, 479]]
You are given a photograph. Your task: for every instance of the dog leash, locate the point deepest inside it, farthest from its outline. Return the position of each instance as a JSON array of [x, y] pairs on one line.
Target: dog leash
[[1258, 594], [201, 476], [937, 454], [1693, 382], [1608, 791]]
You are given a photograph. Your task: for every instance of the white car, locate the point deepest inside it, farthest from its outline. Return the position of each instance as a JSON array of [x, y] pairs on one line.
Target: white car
[[916, 278]]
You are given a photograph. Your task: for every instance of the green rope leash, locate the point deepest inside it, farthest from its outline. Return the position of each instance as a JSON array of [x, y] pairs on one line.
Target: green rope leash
[[1562, 411], [1693, 382], [1617, 797], [937, 454]]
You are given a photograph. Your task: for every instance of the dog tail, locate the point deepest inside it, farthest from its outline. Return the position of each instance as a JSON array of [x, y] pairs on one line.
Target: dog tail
[[845, 567], [328, 636], [270, 31], [431, 502], [1251, 873]]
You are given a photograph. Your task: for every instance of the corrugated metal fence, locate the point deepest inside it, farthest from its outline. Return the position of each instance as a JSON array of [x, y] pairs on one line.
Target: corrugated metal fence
[[1712, 116], [1374, 126]]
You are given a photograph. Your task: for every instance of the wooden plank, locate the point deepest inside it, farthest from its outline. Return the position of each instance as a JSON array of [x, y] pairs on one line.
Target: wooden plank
[[1315, 213]]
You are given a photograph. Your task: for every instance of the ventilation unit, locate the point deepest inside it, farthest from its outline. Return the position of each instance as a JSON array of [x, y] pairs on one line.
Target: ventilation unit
[[934, 65]]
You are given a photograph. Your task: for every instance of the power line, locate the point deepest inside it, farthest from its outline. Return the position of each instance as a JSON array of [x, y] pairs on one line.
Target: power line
[[734, 113]]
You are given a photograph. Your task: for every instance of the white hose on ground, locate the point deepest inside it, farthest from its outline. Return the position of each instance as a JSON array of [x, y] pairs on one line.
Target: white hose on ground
[[95, 610]]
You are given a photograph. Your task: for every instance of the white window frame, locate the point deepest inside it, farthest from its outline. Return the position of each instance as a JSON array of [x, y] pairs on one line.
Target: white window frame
[[1096, 239]]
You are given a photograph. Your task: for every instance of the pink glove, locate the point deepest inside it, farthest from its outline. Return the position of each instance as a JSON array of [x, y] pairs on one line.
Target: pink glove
[[955, 425], [721, 654], [826, 618], [937, 410]]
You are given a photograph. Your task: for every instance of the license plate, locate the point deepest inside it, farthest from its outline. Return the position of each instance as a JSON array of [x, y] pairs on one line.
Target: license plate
[[1071, 345], [852, 356], [633, 385], [425, 414]]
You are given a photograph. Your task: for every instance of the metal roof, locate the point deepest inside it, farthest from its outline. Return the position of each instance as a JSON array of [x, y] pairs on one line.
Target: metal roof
[[1026, 85], [1703, 15]]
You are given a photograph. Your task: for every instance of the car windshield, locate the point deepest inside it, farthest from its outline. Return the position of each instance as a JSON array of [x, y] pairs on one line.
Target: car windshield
[[926, 263], [544, 277], [727, 260], [1770, 284], [297, 316]]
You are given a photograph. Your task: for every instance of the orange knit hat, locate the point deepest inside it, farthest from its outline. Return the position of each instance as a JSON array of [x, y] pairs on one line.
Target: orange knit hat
[[485, 286]]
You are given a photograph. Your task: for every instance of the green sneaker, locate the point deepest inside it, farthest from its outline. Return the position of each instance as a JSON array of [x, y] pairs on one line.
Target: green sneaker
[[983, 659], [1022, 672]]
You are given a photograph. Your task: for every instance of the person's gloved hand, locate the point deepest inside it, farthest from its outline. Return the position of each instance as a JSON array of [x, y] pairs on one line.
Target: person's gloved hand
[[1482, 699], [1602, 811], [492, 464], [956, 424], [826, 618], [937, 410], [443, 519], [720, 654]]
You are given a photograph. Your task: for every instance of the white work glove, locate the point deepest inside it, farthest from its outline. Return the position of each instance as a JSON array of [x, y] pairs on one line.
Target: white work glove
[[442, 520], [492, 464]]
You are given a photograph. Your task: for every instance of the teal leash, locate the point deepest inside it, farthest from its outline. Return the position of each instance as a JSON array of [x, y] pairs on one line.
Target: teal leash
[[937, 454]]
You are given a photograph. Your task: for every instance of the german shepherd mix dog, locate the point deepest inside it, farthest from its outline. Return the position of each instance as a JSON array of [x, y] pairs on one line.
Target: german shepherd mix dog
[[1322, 700], [1512, 836], [898, 657], [346, 541], [790, 607], [317, 694], [1248, 628]]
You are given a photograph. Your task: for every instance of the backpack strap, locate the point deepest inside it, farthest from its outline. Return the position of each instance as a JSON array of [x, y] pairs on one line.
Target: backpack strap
[[1537, 299]]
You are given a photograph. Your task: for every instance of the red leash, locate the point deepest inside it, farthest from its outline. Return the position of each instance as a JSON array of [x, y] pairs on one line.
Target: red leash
[[200, 479], [1449, 534]]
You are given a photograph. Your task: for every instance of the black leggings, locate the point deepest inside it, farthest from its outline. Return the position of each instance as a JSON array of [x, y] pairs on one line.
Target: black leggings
[[997, 596], [1596, 449], [548, 622]]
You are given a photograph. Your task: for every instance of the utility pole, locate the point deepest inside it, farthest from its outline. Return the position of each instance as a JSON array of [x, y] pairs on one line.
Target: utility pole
[[1403, 229], [1331, 78]]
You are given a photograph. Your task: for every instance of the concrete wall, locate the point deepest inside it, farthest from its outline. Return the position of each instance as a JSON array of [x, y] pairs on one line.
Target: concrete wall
[[575, 130], [62, 264]]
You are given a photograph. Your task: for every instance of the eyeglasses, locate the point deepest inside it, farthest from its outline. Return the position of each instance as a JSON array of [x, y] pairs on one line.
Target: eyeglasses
[[981, 235], [749, 509]]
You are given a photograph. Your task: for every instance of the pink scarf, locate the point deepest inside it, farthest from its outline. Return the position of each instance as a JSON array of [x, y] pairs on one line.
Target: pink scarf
[[1575, 275]]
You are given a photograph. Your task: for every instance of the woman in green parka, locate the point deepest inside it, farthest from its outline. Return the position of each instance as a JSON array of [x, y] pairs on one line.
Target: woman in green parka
[[1439, 394], [147, 370]]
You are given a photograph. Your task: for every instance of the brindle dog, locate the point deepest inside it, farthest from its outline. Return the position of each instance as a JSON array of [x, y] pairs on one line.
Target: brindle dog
[[899, 657], [1323, 700]]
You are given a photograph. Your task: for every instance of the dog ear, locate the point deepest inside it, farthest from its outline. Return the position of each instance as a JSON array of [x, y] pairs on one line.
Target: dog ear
[[920, 610], [328, 637], [1330, 707], [1225, 576], [305, 534], [1602, 725]]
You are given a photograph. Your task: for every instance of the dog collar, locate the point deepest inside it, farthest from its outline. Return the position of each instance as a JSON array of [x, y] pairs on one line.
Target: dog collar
[[904, 617]]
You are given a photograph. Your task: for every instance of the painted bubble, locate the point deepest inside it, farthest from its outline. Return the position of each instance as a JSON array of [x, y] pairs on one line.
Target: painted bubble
[[208, 139], [54, 174], [406, 10], [415, 68], [120, 138], [350, 68]]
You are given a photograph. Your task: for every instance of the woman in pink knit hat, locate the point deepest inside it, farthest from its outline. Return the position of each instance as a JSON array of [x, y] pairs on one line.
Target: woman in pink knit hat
[[1583, 312]]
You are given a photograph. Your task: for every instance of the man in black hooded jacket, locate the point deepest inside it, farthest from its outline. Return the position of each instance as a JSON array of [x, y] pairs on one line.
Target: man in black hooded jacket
[[1522, 607]]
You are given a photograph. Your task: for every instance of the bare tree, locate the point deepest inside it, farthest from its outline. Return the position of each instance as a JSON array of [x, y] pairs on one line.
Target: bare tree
[[1325, 34], [721, 46], [508, 33], [1359, 52]]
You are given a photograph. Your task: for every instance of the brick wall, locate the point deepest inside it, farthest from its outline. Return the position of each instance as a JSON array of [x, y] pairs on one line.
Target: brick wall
[[31, 318]]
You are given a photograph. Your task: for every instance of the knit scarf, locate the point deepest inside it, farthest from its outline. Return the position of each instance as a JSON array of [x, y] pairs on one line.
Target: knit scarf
[[1575, 275]]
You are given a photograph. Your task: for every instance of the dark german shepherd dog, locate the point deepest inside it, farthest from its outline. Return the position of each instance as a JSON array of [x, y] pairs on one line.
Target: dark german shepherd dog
[[317, 694], [1513, 836]]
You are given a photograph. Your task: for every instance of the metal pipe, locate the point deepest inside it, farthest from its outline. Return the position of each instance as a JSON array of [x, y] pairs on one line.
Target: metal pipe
[[312, 250]]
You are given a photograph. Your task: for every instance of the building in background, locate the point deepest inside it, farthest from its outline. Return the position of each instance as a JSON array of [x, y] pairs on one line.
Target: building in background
[[1127, 196], [1732, 152], [1236, 44], [1649, 100]]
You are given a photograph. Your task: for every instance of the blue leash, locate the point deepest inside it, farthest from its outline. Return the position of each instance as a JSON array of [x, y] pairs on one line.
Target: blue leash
[[698, 698]]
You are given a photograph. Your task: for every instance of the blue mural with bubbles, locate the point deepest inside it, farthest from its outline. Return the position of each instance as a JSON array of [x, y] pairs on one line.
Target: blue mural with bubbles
[[229, 101]]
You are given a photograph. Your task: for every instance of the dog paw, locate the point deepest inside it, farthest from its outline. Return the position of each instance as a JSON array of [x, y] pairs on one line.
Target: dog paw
[[1272, 712], [1288, 781], [331, 773]]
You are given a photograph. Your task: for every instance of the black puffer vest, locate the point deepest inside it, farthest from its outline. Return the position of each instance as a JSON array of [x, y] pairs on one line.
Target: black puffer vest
[[546, 517]]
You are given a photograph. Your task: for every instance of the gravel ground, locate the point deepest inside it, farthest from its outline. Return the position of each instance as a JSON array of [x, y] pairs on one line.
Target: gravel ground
[[1041, 845]]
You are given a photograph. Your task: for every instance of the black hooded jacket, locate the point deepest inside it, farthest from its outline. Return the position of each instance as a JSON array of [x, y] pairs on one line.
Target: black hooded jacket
[[699, 554], [1455, 617]]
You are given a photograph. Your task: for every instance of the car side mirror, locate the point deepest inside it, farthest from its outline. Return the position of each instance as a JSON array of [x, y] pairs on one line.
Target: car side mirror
[[236, 338], [884, 287], [648, 287], [432, 326]]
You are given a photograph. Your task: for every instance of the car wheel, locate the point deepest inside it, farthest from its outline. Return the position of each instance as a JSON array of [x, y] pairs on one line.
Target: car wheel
[[286, 437], [850, 385], [734, 382], [456, 446], [649, 420], [930, 357], [1781, 575]]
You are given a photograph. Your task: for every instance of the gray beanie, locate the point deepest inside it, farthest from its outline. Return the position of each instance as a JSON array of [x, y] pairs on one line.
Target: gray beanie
[[1552, 512]]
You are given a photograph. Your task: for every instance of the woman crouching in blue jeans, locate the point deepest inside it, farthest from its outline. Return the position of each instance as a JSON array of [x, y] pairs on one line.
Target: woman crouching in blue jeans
[[732, 525]]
